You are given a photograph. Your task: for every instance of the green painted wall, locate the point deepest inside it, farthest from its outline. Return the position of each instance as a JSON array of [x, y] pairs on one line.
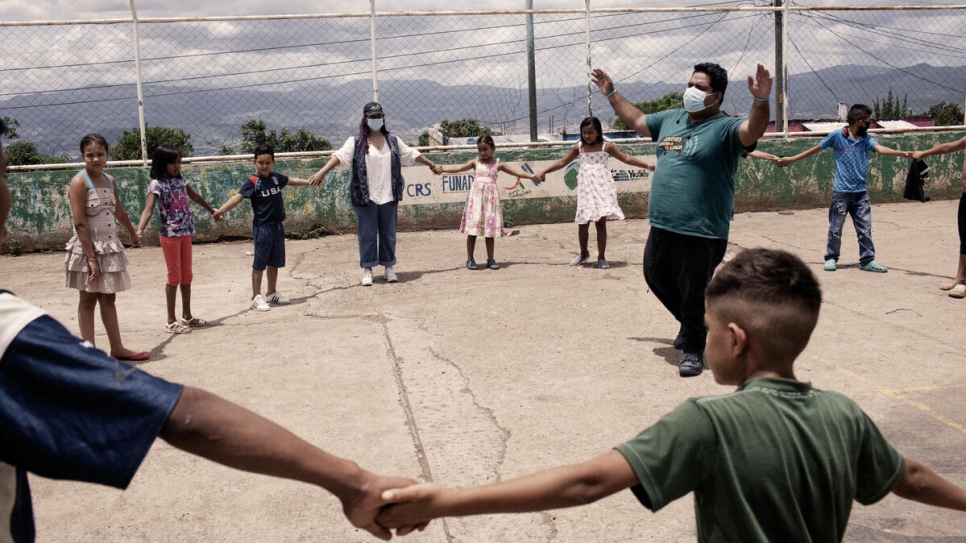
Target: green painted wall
[[40, 218]]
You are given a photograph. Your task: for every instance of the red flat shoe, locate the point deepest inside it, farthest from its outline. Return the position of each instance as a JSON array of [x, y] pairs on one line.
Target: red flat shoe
[[136, 357]]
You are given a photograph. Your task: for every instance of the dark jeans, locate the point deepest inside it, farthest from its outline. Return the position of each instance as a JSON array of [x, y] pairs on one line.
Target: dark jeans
[[377, 234], [858, 205], [678, 268]]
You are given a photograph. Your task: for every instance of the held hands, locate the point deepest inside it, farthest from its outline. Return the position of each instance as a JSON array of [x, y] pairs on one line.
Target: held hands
[[917, 155], [414, 507], [362, 510], [760, 83], [217, 217], [782, 162], [436, 169], [317, 178], [539, 177]]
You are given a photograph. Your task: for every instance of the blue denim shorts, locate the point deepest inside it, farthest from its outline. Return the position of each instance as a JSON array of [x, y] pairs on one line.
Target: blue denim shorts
[[269, 240]]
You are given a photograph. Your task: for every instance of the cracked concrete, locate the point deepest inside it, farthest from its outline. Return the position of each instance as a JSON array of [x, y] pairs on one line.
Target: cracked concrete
[[469, 378]]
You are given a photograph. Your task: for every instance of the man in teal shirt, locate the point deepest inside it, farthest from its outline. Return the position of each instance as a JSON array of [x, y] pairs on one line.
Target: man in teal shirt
[[692, 192]]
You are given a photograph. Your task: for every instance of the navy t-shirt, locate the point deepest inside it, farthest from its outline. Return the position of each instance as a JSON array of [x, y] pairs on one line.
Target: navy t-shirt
[[67, 411], [266, 196]]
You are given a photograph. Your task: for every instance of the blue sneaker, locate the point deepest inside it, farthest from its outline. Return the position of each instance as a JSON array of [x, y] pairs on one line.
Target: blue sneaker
[[829, 265]]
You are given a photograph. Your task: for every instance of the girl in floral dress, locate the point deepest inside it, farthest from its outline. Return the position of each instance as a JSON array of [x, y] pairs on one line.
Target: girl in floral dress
[[596, 190], [482, 214], [95, 263]]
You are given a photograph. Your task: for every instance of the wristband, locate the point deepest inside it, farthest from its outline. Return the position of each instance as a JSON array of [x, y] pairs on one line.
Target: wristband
[[612, 93], [765, 99]]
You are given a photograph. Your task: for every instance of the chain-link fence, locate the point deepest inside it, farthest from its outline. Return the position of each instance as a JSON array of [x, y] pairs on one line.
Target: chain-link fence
[[208, 77]]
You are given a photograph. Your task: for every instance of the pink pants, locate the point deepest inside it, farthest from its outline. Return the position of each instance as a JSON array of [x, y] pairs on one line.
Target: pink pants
[[177, 256]]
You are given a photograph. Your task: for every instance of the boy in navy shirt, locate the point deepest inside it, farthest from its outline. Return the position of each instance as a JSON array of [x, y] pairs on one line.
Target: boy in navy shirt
[[264, 188], [850, 192]]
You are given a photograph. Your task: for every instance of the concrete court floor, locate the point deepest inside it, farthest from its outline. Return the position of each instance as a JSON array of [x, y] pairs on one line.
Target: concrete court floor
[[472, 377]]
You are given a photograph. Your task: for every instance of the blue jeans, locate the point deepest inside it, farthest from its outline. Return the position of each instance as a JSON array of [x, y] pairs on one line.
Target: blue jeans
[[858, 205], [377, 234]]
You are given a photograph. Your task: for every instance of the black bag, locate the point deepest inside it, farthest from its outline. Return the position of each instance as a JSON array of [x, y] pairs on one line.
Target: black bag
[[917, 175]]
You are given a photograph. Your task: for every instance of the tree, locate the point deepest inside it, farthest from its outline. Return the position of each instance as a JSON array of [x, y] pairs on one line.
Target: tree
[[463, 128], [128, 146], [24, 152], [254, 134], [424, 139], [12, 125], [945, 114], [225, 150], [670, 100], [890, 108]]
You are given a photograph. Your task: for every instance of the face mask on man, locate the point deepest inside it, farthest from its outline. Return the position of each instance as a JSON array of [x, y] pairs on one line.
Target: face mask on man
[[862, 130], [694, 100], [374, 124]]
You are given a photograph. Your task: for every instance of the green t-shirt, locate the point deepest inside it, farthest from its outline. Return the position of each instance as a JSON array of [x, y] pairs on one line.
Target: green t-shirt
[[693, 188], [777, 460]]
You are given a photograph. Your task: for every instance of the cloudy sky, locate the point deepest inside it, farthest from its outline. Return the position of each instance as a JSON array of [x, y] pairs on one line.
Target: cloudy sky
[[43, 10]]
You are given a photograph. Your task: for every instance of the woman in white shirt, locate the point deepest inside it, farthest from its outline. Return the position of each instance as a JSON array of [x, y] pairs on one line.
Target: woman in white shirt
[[375, 187]]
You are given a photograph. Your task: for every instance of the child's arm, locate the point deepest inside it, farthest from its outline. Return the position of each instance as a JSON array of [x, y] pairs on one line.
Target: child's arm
[[200, 200], [563, 486], [567, 159], [147, 213], [888, 151], [516, 172], [121, 215], [469, 165], [298, 182], [786, 160], [227, 206], [921, 484], [627, 158], [941, 149]]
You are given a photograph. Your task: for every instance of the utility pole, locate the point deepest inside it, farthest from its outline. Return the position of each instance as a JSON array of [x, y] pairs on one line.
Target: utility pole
[[531, 74]]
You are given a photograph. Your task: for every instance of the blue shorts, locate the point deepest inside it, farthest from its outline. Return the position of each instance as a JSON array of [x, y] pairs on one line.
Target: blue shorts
[[269, 242]]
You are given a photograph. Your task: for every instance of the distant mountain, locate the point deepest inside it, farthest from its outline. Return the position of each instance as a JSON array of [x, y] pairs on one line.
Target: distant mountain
[[56, 123]]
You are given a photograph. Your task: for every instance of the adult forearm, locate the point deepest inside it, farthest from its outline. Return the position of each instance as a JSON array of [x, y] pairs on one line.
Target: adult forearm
[[628, 112], [758, 119], [214, 428]]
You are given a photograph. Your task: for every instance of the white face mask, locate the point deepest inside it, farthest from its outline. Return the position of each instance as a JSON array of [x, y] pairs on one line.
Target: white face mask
[[374, 124], [694, 100]]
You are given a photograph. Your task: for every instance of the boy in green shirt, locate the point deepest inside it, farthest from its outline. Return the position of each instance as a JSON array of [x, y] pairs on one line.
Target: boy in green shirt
[[776, 460]]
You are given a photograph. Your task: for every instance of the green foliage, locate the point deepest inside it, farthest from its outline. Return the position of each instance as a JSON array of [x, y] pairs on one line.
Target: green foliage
[[254, 134], [463, 128], [128, 146], [424, 139], [946, 114], [890, 108], [24, 152], [12, 125], [670, 100], [225, 150]]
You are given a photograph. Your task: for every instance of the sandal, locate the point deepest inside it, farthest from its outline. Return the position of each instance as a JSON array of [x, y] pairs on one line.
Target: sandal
[[194, 322], [959, 291], [177, 328]]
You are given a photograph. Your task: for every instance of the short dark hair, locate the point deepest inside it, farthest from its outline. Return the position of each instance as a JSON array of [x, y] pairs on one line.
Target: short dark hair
[[160, 158], [771, 292], [588, 121], [264, 149], [858, 111], [94, 139], [717, 75]]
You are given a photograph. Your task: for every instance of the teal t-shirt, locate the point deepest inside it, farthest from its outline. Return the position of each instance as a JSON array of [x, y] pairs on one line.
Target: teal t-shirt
[[777, 460], [693, 188]]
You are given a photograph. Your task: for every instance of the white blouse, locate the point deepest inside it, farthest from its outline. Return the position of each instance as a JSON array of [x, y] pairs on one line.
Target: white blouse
[[378, 166]]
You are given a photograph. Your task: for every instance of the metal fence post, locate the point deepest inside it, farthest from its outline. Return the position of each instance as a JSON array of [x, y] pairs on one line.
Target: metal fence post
[[137, 70]]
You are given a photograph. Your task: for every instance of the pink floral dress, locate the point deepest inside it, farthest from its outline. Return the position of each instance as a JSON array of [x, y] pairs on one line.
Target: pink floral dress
[[482, 215], [596, 190]]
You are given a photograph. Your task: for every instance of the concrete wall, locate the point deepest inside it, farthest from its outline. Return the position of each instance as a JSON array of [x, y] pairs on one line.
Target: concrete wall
[[41, 219]]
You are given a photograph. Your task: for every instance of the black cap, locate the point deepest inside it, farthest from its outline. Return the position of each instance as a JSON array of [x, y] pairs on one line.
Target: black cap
[[372, 108]]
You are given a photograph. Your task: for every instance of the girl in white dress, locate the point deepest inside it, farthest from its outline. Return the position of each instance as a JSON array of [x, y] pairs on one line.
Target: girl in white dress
[[596, 190], [482, 214]]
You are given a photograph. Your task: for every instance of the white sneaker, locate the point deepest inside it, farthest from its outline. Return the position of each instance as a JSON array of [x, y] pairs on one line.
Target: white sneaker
[[277, 298], [391, 275], [258, 304], [367, 277]]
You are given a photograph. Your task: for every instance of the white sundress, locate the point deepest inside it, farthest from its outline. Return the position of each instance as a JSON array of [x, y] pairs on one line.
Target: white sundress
[[596, 190]]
